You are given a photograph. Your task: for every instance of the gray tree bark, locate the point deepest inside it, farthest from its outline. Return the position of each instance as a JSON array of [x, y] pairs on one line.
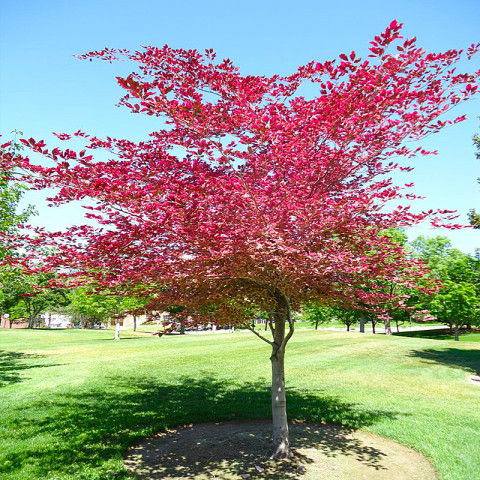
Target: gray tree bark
[[134, 323], [388, 328], [281, 441], [117, 329], [362, 324], [277, 322], [457, 333]]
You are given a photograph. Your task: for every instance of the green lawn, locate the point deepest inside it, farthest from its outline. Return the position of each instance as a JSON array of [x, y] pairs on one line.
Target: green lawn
[[71, 401]]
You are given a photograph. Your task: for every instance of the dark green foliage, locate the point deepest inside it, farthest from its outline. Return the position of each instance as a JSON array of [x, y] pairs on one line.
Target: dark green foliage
[[457, 303], [317, 314], [473, 216]]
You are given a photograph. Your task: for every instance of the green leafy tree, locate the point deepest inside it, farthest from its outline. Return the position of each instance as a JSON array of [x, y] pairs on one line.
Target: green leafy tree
[[456, 305], [473, 216], [134, 306], [11, 194], [459, 274], [88, 308], [347, 316], [28, 296], [12, 288], [13, 284], [317, 314]]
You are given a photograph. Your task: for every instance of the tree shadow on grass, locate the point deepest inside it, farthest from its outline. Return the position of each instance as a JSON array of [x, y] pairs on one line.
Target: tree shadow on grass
[[432, 334], [466, 359], [242, 449], [436, 334], [12, 364], [90, 428]]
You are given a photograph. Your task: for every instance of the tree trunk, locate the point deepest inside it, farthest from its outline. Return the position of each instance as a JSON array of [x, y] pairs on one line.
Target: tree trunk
[[457, 333], [316, 325], [373, 327], [388, 328], [31, 321], [182, 326], [134, 323], [117, 329], [281, 442], [348, 327], [362, 324]]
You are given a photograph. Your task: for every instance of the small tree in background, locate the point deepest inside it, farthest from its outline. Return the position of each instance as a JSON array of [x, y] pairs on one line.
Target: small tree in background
[[473, 216], [347, 316], [89, 307], [317, 314], [456, 305]]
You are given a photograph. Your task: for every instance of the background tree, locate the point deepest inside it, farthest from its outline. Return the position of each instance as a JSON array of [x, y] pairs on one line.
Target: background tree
[[317, 314], [348, 316], [135, 307], [13, 284], [472, 214], [37, 296], [251, 197], [459, 275], [89, 307], [456, 305], [11, 193]]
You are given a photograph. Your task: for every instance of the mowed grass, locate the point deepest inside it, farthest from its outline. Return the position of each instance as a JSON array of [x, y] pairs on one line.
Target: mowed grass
[[72, 401]]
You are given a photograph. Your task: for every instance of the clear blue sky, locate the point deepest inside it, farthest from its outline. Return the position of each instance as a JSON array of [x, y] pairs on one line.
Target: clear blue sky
[[44, 89]]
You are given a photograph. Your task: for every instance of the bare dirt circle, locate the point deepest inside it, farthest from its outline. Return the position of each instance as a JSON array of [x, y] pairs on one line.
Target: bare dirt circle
[[475, 379], [240, 451]]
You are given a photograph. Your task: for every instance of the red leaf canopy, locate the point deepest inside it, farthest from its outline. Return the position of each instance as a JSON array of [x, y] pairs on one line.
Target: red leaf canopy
[[254, 185]]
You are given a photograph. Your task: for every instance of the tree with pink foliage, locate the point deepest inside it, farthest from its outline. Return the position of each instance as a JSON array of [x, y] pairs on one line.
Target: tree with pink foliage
[[257, 193]]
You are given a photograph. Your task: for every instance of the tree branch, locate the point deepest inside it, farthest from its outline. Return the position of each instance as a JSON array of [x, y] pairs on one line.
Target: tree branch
[[258, 334]]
